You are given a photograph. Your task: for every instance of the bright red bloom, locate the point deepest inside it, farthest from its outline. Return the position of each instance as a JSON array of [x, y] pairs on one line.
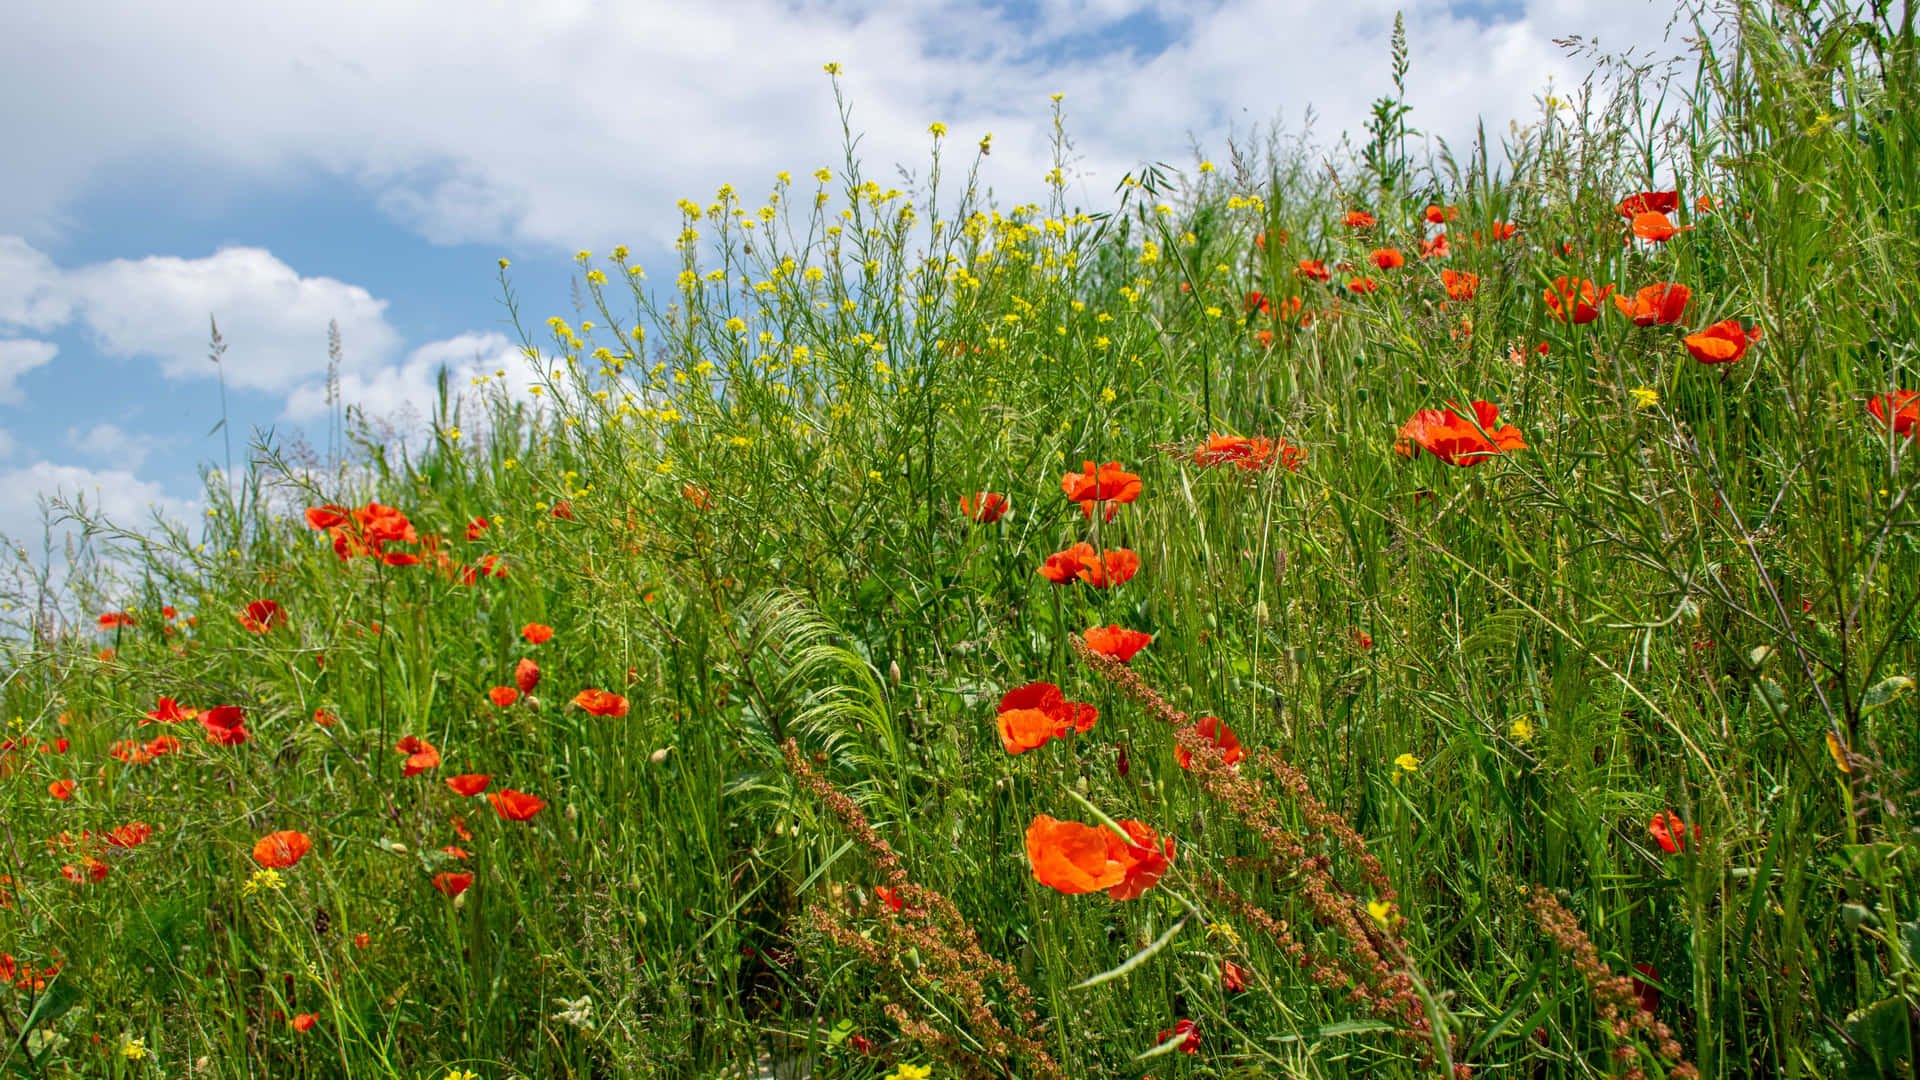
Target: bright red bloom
[[984, 507], [1109, 484], [1436, 248], [421, 755], [1656, 227], [1388, 258], [1574, 300], [1649, 202], [601, 702], [476, 527], [563, 510], [130, 835], [1233, 977], [1455, 439], [1220, 735], [1066, 716], [225, 725], [1076, 858], [1670, 832], [456, 852], [1721, 343], [321, 518], [1117, 641], [1188, 1035], [1022, 730], [536, 633], [1505, 230], [262, 616], [1362, 285], [305, 1021], [1315, 269], [469, 784], [503, 696], [1063, 566], [166, 711], [1904, 405], [324, 718], [1359, 219], [1658, 304], [1257, 301], [698, 496], [366, 531], [890, 897], [452, 884], [90, 871], [515, 805], [1460, 285], [61, 789], [114, 620], [526, 675], [1440, 215], [1117, 567], [280, 850]]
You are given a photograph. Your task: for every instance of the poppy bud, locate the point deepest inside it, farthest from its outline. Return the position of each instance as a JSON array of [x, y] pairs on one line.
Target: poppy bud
[[893, 672], [572, 812], [659, 755]]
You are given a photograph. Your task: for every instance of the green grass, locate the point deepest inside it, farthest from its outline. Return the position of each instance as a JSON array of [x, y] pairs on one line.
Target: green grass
[[1691, 586]]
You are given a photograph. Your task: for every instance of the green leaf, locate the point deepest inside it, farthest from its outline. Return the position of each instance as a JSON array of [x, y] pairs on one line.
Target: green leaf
[[1885, 692]]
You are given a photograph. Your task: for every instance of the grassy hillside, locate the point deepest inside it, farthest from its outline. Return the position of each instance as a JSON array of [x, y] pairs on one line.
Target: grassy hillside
[[681, 717]]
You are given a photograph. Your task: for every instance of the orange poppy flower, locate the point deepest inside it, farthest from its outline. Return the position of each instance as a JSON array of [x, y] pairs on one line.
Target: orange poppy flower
[[1460, 284], [1721, 343], [1359, 219], [1660, 303], [1257, 301], [1108, 484], [1188, 1035], [1670, 832], [1063, 566], [526, 675], [1388, 258], [280, 850], [61, 789], [563, 510], [262, 616], [1574, 300], [1074, 716], [1116, 641], [984, 507], [700, 497], [166, 711], [536, 633], [452, 884], [890, 897], [476, 527], [1439, 215], [601, 702], [90, 871], [305, 1021], [1022, 730], [1076, 858], [1117, 567], [469, 784], [503, 696], [1436, 248], [1251, 455], [1315, 269], [1656, 227], [1904, 405], [1220, 735], [162, 746], [1505, 230], [1362, 285], [456, 852], [321, 518], [1649, 202], [325, 718], [514, 805], [421, 755], [114, 620], [1456, 440], [225, 725]]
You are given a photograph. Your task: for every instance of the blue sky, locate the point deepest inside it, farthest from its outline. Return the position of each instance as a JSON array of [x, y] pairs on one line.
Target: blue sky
[[370, 161]]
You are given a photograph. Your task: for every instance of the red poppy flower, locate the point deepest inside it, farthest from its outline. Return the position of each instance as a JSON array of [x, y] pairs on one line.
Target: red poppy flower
[[469, 784], [1233, 977], [476, 527], [563, 510], [324, 718], [130, 835], [1649, 202], [1436, 248], [421, 755], [1315, 269], [1362, 285], [1574, 300], [1188, 1035], [526, 676], [225, 725], [321, 518], [61, 789], [1456, 440], [1440, 215], [262, 616], [362, 941], [114, 620], [280, 850], [698, 496], [1220, 735], [890, 897], [1460, 285], [1721, 343], [536, 633], [305, 1021], [515, 805], [1388, 258], [1360, 638], [1658, 304], [1117, 567], [456, 852], [1670, 832], [1109, 485], [984, 507], [1063, 566], [1117, 641], [601, 703], [1359, 219], [503, 696], [1644, 976], [1062, 715], [1904, 407], [1656, 227], [166, 711], [1022, 730], [90, 871], [452, 884], [1505, 230], [1076, 858], [57, 746]]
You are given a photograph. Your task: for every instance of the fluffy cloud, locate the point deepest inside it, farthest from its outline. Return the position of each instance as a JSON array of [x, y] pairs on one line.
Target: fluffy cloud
[[410, 388], [577, 124], [17, 357], [117, 494], [110, 442]]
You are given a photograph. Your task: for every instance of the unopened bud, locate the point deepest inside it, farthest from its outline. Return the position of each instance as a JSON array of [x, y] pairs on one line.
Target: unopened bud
[[659, 755], [572, 812], [893, 672]]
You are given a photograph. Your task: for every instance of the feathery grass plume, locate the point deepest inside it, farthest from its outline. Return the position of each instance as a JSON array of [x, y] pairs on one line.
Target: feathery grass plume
[[1625, 1018], [946, 956]]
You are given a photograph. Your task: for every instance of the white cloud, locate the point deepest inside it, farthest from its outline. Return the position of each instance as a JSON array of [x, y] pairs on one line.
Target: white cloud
[[121, 497], [29, 282], [17, 357], [577, 124], [110, 442], [393, 391]]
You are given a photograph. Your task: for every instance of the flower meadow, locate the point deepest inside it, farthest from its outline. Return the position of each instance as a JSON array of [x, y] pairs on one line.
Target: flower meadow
[[1318, 616]]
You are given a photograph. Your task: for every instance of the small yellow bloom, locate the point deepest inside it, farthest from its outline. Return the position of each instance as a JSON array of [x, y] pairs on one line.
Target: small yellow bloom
[[910, 1072], [504, 264], [1206, 166], [1521, 730], [1380, 910], [938, 130], [1107, 395], [1407, 763], [831, 69], [263, 880], [1645, 397], [133, 1049]]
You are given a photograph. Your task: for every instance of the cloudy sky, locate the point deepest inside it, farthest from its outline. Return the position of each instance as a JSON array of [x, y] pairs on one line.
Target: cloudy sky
[[367, 161]]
